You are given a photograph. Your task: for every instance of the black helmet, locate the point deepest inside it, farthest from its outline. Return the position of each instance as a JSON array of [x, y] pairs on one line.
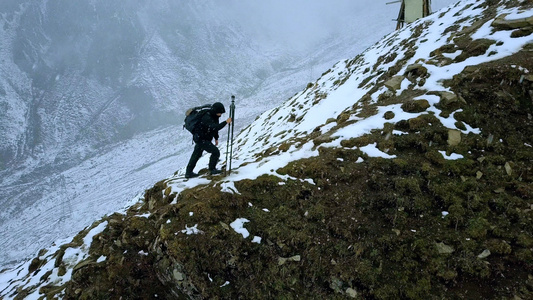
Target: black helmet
[[218, 108]]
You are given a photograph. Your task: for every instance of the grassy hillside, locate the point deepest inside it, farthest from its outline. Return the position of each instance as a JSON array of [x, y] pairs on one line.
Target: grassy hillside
[[447, 215]]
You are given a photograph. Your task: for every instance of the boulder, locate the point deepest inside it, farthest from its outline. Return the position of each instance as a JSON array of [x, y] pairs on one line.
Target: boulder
[[351, 293], [484, 254], [503, 24], [444, 249], [416, 70], [448, 98], [415, 106], [395, 83], [454, 137], [508, 169]]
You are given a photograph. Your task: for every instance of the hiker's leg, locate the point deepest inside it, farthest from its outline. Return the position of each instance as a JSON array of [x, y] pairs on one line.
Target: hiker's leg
[[215, 154], [196, 154]]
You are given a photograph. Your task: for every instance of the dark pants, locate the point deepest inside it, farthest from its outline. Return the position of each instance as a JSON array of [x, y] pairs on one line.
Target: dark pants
[[199, 148]]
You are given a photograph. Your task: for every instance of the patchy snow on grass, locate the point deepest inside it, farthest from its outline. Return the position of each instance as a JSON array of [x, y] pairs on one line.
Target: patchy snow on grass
[[238, 226]]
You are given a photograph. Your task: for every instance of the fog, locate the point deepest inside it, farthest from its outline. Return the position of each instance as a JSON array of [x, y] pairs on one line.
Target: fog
[[143, 60], [79, 79], [301, 24]]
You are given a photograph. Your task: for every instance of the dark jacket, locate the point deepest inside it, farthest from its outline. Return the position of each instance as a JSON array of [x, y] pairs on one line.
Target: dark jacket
[[209, 125]]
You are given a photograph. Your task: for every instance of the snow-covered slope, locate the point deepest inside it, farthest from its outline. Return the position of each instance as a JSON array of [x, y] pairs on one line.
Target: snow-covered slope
[[371, 109], [71, 136]]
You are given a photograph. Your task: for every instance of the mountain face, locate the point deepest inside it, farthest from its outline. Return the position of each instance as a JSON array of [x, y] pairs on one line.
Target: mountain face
[[92, 97], [87, 74], [404, 172], [79, 76]]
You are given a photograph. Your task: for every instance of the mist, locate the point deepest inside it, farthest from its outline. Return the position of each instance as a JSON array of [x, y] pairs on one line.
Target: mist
[[79, 80], [301, 24]]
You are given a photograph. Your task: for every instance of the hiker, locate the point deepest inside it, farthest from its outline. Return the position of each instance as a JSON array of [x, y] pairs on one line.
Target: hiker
[[206, 131]]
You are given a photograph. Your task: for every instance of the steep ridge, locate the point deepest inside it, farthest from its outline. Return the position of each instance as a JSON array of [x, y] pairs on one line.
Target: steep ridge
[[405, 172], [88, 130]]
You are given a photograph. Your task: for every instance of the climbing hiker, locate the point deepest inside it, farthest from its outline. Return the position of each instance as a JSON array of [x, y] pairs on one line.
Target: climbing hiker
[[203, 134]]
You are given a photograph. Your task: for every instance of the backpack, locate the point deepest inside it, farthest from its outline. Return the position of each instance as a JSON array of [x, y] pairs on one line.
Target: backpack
[[194, 115]]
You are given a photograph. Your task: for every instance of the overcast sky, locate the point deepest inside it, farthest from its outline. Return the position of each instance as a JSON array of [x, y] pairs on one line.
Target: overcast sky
[[307, 21]]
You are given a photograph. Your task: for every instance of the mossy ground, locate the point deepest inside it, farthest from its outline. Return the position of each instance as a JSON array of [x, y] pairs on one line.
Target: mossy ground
[[375, 227]]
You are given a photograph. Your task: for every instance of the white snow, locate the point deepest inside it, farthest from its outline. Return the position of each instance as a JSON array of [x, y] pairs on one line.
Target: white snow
[[452, 156], [152, 156], [191, 230], [238, 226], [88, 239], [372, 151], [229, 187]]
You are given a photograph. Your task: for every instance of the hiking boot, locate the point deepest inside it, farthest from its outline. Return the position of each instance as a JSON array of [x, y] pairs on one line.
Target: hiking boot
[[191, 175], [215, 171]]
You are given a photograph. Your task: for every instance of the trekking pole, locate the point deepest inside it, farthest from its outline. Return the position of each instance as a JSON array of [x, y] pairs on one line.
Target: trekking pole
[[232, 116], [227, 145]]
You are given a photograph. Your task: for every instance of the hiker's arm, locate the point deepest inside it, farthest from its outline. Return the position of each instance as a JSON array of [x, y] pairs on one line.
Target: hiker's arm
[[221, 125]]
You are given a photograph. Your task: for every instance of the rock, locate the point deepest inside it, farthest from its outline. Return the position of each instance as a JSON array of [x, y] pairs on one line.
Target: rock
[[351, 292], [499, 190], [151, 203], [529, 78], [415, 106], [224, 225], [501, 23], [324, 138], [490, 139], [42, 252], [331, 120], [454, 137], [471, 69], [295, 258], [395, 83], [388, 115], [34, 265], [283, 260], [448, 99], [82, 265], [484, 254], [178, 275], [336, 284], [508, 169], [444, 249], [416, 70], [479, 174], [521, 32]]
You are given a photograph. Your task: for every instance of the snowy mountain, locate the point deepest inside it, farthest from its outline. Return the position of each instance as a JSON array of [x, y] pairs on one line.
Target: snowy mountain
[[404, 172], [81, 103], [95, 92]]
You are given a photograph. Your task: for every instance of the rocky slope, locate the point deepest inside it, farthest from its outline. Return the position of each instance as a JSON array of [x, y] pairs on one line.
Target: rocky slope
[[405, 172], [92, 97]]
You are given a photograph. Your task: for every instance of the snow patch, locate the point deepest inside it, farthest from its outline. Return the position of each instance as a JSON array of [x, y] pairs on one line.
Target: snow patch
[[238, 226]]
